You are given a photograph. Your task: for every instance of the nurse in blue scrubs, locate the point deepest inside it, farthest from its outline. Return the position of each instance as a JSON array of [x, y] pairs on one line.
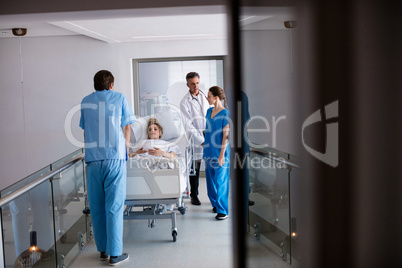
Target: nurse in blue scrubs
[[105, 118], [217, 152]]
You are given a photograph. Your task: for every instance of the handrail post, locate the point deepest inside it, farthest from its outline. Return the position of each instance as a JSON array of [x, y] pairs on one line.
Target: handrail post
[[1, 239]]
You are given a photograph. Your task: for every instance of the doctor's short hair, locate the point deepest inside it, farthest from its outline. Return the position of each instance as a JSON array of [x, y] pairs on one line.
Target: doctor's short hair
[[103, 79], [192, 75]]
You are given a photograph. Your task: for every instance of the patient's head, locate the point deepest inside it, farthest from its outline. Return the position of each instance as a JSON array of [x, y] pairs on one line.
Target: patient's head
[[155, 130]]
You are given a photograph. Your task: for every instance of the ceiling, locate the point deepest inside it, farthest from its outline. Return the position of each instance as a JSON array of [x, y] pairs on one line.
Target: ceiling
[[138, 25]]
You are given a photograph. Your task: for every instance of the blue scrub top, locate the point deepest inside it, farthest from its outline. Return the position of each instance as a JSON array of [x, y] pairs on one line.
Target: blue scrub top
[[214, 134], [103, 114]]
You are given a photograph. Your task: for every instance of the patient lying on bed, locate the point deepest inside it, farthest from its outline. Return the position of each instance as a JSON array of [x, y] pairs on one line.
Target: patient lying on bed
[[154, 147]]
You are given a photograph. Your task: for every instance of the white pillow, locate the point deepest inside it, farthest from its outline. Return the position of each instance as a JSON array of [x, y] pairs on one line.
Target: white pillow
[[138, 128], [170, 130], [165, 119]]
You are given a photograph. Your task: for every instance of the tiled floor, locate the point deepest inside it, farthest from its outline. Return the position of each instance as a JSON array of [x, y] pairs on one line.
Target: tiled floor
[[202, 241]]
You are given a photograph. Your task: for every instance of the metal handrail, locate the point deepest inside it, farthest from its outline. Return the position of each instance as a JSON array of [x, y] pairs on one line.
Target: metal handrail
[[5, 200], [281, 160]]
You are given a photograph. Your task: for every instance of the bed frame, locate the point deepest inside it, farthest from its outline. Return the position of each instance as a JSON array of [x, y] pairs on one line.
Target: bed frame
[[157, 191]]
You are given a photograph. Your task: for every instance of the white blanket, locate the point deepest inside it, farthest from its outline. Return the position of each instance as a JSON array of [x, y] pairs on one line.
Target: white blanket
[[151, 144], [154, 163]]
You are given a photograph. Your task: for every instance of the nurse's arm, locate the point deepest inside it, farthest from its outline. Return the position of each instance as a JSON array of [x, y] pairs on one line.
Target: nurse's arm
[[225, 132], [126, 133]]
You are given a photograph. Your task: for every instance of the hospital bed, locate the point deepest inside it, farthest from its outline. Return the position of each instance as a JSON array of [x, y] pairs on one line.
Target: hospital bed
[[153, 193]]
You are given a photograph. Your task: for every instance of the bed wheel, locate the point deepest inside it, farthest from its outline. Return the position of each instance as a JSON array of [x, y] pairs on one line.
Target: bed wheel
[[183, 210], [174, 234]]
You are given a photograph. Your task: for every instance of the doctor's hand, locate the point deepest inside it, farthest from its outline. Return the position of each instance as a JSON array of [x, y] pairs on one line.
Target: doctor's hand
[[221, 160], [156, 152]]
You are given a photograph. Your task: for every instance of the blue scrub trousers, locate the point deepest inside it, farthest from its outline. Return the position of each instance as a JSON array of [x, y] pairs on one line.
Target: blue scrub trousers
[[107, 193], [218, 184]]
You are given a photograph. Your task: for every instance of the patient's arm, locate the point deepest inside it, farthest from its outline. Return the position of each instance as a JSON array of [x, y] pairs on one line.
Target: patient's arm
[[139, 151], [158, 152]]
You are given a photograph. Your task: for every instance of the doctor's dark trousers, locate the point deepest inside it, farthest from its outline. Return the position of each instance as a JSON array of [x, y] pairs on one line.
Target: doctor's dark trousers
[[195, 179]]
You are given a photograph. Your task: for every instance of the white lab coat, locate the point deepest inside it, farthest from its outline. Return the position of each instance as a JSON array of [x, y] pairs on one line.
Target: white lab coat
[[194, 110]]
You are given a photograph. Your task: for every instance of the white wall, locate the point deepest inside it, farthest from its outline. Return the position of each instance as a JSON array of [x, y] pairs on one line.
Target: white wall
[[268, 83], [57, 74]]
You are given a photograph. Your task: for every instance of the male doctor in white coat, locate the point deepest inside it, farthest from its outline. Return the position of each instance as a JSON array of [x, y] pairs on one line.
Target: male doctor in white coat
[[193, 107]]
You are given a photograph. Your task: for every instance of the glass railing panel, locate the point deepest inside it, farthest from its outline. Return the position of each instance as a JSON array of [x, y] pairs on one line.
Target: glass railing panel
[[23, 182], [70, 221], [30, 212], [269, 217], [29, 218], [295, 181], [65, 159]]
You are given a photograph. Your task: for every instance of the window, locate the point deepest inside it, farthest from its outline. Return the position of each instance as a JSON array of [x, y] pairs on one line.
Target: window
[[163, 81]]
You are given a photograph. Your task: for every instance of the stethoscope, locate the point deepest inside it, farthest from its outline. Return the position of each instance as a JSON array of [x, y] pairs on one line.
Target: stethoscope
[[194, 98]]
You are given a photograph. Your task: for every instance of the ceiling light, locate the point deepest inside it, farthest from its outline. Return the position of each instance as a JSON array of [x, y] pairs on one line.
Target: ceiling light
[[172, 36], [90, 31], [247, 18]]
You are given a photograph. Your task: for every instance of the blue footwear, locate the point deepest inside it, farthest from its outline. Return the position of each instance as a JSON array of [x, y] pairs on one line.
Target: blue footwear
[[113, 261], [103, 256]]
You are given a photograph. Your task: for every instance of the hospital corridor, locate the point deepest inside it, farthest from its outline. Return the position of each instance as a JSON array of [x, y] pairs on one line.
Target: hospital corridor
[[202, 241], [289, 111]]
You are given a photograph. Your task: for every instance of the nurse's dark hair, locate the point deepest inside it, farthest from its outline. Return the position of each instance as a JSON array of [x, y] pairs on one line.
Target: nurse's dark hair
[[154, 121], [218, 92], [103, 79], [192, 75]]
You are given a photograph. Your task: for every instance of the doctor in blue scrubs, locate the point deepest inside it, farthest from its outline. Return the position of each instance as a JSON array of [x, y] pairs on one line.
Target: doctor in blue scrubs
[[105, 118], [217, 152]]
